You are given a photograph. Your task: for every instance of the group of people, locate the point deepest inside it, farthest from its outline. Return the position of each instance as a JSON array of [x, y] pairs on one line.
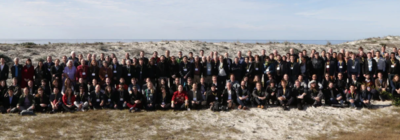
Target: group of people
[[200, 81]]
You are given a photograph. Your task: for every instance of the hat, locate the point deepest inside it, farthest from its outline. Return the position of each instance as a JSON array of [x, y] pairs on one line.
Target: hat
[[213, 85], [313, 81]]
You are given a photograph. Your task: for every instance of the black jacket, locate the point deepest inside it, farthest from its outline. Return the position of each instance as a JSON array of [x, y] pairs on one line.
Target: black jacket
[[186, 69], [7, 104], [374, 67], [19, 71], [163, 69], [4, 72]]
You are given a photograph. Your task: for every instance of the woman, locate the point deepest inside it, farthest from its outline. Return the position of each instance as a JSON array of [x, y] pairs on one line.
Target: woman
[[41, 101], [3, 88], [288, 83], [259, 96], [135, 100], [164, 100], [163, 84], [68, 100], [27, 73], [341, 66], [108, 98], [26, 101], [56, 100], [149, 97], [81, 100], [92, 85], [180, 100], [67, 84], [93, 71], [252, 85], [284, 95], [365, 96], [69, 71], [258, 66], [40, 73], [152, 70], [55, 84]]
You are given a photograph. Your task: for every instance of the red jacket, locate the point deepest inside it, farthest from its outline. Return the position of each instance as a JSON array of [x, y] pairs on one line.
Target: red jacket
[[179, 97], [27, 73], [79, 72], [65, 99]]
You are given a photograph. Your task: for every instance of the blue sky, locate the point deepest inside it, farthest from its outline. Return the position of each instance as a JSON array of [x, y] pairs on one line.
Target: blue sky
[[199, 19]]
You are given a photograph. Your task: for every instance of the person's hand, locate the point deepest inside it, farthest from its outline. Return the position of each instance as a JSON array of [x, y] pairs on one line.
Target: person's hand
[[162, 106], [172, 105], [130, 91], [240, 98], [184, 77], [54, 75], [317, 98], [90, 104], [339, 98], [351, 101], [33, 107], [205, 93], [9, 110], [115, 106], [273, 93]]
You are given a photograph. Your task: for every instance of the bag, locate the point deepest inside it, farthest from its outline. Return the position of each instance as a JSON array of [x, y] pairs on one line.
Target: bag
[[216, 106], [27, 113]]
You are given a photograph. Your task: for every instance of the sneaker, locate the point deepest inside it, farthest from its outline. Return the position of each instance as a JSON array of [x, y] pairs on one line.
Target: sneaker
[[244, 108], [130, 110], [259, 106], [262, 107], [285, 108], [240, 107]]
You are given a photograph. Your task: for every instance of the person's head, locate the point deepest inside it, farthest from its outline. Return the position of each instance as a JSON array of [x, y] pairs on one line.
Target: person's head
[[297, 83], [81, 90], [283, 83], [43, 82], [167, 53], [286, 77], [15, 81], [185, 59], [214, 78], [396, 78], [28, 62], [292, 58], [352, 88], [105, 64], [353, 76], [300, 78], [367, 76], [369, 55], [70, 63], [383, 48], [26, 91], [379, 75], [68, 92], [73, 55], [258, 86], [3, 83], [327, 76], [239, 54], [94, 82], [189, 80], [30, 83], [228, 85], [377, 54], [340, 76], [201, 53], [243, 84], [180, 88], [177, 80], [179, 54], [330, 85], [141, 54], [313, 84], [314, 77], [10, 92], [392, 56], [221, 58], [194, 86], [97, 88], [115, 61], [232, 77], [363, 87], [316, 55]]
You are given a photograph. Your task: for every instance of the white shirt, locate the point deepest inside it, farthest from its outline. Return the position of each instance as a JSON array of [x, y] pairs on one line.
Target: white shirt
[[2, 66]]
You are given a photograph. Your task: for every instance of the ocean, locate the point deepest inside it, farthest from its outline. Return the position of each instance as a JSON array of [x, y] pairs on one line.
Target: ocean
[[46, 41]]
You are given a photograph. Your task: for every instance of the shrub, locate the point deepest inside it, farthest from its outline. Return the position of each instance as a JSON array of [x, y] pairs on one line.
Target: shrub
[[6, 58], [395, 100], [28, 44]]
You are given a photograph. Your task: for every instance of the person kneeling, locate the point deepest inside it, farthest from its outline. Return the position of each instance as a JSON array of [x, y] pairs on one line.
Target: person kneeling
[[81, 100], [26, 101], [333, 96], [164, 102], [68, 100], [149, 97], [353, 97], [96, 99], [135, 100], [195, 97], [315, 94], [180, 100], [41, 101], [284, 96], [242, 96]]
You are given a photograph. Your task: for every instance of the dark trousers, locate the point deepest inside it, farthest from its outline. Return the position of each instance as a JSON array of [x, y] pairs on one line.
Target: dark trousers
[[66, 108], [179, 106], [242, 102], [166, 107], [286, 102], [221, 81]]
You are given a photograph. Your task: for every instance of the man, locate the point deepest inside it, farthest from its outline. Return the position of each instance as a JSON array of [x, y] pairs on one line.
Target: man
[[163, 70], [188, 85], [180, 57], [393, 67], [145, 60], [228, 62], [318, 64], [141, 71], [47, 66], [25, 102], [185, 70], [135, 100], [197, 72], [56, 71], [243, 96], [190, 58], [180, 99], [196, 97], [121, 97], [129, 71], [381, 64], [300, 94], [353, 81], [353, 66], [259, 96], [9, 101], [3, 70], [281, 68], [239, 56], [330, 66], [82, 71], [370, 66], [284, 96], [383, 49], [365, 97], [228, 97], [353, 97], [213, 97], [333, 96], [74, 59], [155, 57], [222, 71], [105, 72], [381, 85], [208, 69], [117, 71], [96, 100], [16, 70], [294, 71], [315, 94]]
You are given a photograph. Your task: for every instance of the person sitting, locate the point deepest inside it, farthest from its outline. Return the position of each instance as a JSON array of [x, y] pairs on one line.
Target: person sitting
[[41, 101], [149, 96], [26, 101], [315, 94], [259, 96], [284, 96], [9, 101], [122, 96], [164, 101], [213, 97], [354, 82], [81, 100], [195, 97], [271, 90], [333, 96], [55, 100], [300, 93], [180, 99], [365, 96], [396, 86], [135, 99], [353, 97], [68, 100], [243, 96], [229, 96], [96, 100], [109, 98]]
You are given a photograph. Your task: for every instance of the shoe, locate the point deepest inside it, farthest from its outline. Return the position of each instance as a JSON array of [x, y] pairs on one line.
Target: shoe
[[52, 112], [300, 107], [259, 106], [240, 107], [137, 109], [262, 107], [72, 111], [244, 108], [130, 110], [285, 108]]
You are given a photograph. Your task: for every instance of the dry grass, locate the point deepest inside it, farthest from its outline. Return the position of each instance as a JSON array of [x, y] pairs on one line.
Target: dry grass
[[383, 128]]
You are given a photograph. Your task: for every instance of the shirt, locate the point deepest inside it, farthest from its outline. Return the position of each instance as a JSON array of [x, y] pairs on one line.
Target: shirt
[[70, 72], [16, 70]]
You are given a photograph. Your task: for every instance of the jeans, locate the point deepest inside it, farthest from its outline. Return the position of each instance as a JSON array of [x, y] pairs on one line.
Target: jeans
[[242, 102]]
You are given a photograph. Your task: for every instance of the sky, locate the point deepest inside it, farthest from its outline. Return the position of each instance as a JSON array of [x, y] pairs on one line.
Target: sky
[[199, 19]]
